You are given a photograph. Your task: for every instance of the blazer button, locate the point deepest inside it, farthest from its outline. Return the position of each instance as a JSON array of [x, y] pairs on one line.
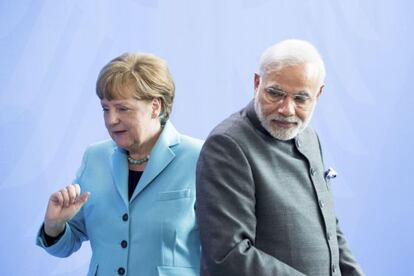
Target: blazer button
[[124, 244], [125, 217], [321, 204], [312, 171], [121, 271], [329, 236]]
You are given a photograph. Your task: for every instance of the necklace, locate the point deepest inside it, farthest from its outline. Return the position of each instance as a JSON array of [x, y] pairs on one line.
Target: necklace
[[138, 161]]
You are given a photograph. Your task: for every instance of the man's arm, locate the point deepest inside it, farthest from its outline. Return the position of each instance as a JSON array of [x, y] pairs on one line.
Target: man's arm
[[226, 213]]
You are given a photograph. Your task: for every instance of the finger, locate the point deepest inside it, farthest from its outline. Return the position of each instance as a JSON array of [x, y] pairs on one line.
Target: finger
[[65, 196], [78, 189], [71, 193], [78, 192], [83, 198], [57, 198]]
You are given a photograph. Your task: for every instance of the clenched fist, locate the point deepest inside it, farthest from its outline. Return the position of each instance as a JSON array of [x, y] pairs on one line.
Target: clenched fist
[[63, 205]]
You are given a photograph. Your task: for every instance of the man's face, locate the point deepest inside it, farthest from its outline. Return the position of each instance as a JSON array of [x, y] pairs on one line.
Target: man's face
[[285, 99]]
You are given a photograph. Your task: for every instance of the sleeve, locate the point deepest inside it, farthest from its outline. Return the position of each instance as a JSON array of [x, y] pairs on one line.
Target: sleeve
[[226, 213], [48, 239], [347, 262], [70, 240]]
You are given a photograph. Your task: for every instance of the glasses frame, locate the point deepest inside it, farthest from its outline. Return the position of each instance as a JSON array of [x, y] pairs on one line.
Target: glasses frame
[[275, 94]]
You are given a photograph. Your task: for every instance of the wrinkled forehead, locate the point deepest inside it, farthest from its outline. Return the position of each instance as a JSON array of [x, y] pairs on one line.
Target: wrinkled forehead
[[304, 73], [292, 79]]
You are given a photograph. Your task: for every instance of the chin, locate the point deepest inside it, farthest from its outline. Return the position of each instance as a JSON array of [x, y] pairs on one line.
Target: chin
[[284, 137], [120, 143], [285, 134]]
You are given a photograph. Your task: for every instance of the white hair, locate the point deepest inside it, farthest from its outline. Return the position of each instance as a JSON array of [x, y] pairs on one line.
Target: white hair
[[293, 52]]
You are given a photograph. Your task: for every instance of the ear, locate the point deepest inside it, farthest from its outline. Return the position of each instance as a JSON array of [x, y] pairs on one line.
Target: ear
[[256, 83], [320, 90], [156, 108]]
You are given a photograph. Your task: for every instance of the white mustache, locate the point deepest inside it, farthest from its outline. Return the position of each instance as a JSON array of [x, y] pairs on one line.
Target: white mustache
[[284, 119]]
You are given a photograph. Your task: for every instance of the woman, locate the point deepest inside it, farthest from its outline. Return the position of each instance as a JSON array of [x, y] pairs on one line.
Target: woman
[[136, 206]]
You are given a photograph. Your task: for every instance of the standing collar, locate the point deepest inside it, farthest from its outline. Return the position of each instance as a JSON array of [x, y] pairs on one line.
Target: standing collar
[[254, 119]]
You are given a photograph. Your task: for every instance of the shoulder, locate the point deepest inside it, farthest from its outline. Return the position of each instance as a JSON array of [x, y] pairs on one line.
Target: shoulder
[[188, 147], [235, 126], [101, 148], [228, 140], [191, 143], [96, 155], [178, 142], [235, 132], [102, 145]]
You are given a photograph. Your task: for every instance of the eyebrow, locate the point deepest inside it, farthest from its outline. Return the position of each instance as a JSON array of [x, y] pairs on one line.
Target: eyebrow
[[274, 86], [303, 93], [299, 93], [121, 104]]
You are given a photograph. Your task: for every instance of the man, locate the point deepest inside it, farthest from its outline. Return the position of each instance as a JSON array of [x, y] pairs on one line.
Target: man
[[264, 206]]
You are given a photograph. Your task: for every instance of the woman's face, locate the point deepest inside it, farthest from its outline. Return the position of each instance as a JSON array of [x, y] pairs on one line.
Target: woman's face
[[131, 122]]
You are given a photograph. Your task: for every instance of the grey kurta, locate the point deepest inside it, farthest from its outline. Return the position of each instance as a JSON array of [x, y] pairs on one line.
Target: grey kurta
[[263, 205]]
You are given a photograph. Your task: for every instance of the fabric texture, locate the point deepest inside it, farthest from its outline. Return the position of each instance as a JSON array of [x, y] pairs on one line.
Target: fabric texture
[[153, 232], [264, 206]]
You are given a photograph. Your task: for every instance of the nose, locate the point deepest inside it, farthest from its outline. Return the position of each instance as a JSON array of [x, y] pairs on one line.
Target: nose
[[111, 118], [286, 107]]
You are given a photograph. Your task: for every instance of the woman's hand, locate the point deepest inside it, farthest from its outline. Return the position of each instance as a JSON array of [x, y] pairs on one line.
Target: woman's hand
[[63, 205]]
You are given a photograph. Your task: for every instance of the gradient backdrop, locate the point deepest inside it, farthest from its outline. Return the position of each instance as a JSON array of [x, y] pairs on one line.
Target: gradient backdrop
[[52, 51]]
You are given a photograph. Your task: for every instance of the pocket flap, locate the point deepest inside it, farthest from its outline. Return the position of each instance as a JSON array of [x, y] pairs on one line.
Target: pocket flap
[[170, 195], [177, 271]]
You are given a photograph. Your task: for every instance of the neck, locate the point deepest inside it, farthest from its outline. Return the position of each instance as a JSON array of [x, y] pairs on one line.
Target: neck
[[143, 149]]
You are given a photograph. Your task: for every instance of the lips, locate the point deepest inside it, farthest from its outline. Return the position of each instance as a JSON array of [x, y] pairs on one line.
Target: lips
[[284, 124], [118, 132]]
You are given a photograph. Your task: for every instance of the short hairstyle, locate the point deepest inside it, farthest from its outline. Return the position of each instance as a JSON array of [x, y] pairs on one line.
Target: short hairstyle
[[142, 76], [292, 52]]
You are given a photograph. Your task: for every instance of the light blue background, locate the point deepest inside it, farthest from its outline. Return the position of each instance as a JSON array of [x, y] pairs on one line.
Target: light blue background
[[52, 51]]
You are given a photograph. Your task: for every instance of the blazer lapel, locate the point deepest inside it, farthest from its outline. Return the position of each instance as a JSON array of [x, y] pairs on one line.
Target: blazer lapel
[[120, 172], [161, 155]]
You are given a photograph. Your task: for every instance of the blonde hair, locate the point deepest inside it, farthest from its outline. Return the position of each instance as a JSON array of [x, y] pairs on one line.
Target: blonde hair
[[142, 76]]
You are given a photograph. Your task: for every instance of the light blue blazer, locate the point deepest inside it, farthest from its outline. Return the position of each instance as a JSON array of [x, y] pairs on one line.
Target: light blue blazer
[[155, 233]]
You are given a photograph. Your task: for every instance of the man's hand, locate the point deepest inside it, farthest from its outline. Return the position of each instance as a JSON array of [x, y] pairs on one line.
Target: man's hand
[[63, 205]]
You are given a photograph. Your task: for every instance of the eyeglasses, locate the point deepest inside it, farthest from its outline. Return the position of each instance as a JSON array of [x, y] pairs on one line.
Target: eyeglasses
[[274, 94]]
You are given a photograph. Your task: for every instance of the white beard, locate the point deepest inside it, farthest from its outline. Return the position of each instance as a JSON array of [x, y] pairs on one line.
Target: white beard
[[278, 133]]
